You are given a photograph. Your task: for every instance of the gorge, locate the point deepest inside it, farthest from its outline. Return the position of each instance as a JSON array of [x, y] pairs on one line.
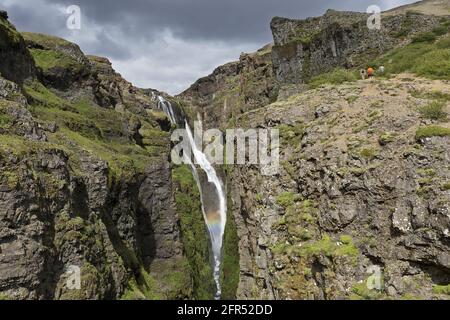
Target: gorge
[[362, 194]]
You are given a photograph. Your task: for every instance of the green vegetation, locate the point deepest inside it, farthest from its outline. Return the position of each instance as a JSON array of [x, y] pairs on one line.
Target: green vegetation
[[330, 248], [440, 30], [434, 111], [432, 95], [45, 40], [432, 131], [424, 37], [360, 291], [299, 219], [49, 59], [84, 126], [144, 288], [230, 258], [12, 36], [5, 120], [286, 199], [425, 56], [325, 246], [4, 297], [194, 234], [337, 76], [446, 186], [386, 138], [291, 135], [41, 96], [368, 153], [438, 289]]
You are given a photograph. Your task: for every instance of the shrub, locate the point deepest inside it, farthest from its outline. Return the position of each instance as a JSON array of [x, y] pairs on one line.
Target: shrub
[[424, 37], [434, 111], [286, 199], [386, 138], [443, 43], [368, 153], [432, 131], [441, 289], [4, 296], [434, 64], [336, 76], [441, 30]]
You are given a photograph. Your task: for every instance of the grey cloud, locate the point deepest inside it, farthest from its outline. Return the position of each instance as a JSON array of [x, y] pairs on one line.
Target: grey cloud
[[168, 44], [208, 19]]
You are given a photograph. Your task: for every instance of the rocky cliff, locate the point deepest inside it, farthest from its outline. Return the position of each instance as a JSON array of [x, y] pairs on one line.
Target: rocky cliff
[[362, 191], [86, 182], [362, 195]]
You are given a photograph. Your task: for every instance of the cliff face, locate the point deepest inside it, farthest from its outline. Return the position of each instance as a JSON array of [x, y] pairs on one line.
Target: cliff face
[[306, 48], [357, 189], [85, 179], [362, 194], [232, 89]]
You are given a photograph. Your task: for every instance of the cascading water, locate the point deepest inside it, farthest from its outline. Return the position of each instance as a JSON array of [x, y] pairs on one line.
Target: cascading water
[[215, 219]]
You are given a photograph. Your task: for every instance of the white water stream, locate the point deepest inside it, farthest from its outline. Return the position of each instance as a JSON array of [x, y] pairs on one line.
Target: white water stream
[[216, 220]]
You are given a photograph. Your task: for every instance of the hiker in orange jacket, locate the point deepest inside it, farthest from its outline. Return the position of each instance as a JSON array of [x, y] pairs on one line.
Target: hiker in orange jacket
[[370, 72]]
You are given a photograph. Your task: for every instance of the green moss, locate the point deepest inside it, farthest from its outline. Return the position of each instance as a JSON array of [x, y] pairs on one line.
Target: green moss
[[286, 199], [325, 246], [13, 38], [446, 186], [5, 121], [329, 248], [40, 95], [299, 219], [230, 258], [123, 159], [176, 280], [50, 59], [337, 76], [143, 287], [427, 172], [360, 291], [386, 138], [4, 296], [438, 289], [368, 153], [194, 234], [291, 134], [432, 131], [352, 99]]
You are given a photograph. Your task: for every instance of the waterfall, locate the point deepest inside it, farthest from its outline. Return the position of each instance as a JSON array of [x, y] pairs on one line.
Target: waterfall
[[215, 219]]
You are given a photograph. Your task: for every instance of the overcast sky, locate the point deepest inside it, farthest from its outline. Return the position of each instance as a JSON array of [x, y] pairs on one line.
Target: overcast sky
[[168, 44]]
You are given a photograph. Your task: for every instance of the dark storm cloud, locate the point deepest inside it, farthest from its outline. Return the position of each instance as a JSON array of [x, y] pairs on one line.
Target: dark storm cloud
[[208, 19], [168, 44]]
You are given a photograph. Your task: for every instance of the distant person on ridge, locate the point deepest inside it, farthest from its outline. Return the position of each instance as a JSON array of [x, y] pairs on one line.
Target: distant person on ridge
[[370, 72]]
